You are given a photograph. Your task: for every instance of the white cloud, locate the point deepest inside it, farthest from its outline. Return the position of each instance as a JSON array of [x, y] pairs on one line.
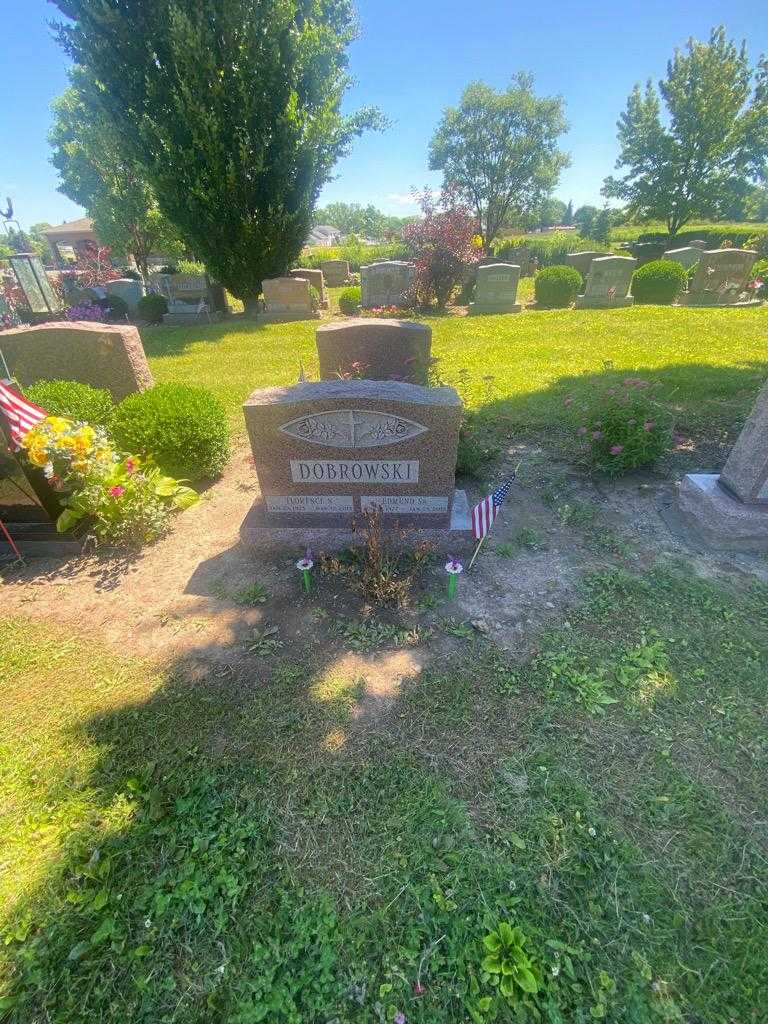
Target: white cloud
[[401, 199]]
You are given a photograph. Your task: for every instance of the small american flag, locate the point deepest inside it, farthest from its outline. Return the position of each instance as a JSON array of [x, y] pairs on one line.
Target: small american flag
[[20, 414], [485, 512]]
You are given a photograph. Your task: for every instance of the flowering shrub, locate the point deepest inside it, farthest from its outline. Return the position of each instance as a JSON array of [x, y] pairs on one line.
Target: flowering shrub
[[624, 427], [442, 244], [128, 502], [759, 283]]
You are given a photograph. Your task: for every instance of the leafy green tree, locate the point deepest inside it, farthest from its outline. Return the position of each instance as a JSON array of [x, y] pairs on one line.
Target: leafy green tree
[[716, 136], [98, 174], [355, 219], [568, 215], [551, 212], [584, 217], [498, 151], [231, 107]]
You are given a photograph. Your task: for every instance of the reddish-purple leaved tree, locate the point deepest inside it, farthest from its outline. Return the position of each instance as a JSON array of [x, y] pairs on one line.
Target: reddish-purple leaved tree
[[441, 246]]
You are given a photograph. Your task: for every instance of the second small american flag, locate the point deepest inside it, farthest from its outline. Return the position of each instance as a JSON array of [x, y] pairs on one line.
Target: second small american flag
[[485, 512]]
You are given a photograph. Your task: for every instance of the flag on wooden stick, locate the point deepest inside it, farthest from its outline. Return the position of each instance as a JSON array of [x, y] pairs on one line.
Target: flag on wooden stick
[[485, 512]]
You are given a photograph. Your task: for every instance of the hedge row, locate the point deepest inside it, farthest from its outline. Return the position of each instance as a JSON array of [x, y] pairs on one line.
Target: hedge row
[[354, 253]]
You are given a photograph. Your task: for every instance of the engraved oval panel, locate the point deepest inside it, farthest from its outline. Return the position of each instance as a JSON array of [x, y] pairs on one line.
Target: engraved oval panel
[[352, 428]]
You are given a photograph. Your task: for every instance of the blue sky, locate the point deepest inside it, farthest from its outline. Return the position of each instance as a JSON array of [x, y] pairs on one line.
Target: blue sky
[[412, 59]]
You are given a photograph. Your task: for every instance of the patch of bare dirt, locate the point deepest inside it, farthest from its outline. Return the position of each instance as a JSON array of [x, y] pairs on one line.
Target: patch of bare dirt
[[186, 597]]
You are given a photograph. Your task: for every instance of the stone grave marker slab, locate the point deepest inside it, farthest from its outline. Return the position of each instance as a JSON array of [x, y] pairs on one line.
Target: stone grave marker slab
[[730, 511], [687, 256], [128, 290], [722, 278], [316, 280], [335, 272], [583, 260], [287, 298], [102, 355], [608, 283], [325, 452], [496, 289], [375, 349], [385, 284]]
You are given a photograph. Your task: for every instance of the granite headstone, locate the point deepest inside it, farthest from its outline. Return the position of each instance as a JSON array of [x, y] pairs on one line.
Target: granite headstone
[[287, 298], [582, 261], [721, 279], [316, 281], [496, 289], [325, 452], [102, 355], [385, 283], [335, 272], [375, 349], [608, 283], [730, 511], [687, 256]]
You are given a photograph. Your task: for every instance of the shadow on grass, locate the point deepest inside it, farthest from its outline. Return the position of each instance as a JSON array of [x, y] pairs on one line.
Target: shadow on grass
[[173, 340], [709, 405], [236, 851]]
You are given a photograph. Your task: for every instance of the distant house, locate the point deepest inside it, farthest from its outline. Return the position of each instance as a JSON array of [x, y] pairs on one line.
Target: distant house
[[324, 234], [68, 240]]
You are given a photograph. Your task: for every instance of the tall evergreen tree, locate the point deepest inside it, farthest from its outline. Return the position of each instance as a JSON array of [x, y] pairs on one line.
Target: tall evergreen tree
[[231, 107]]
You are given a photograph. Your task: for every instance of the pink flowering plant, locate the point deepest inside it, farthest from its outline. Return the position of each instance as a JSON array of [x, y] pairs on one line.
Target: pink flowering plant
[[624, 426]]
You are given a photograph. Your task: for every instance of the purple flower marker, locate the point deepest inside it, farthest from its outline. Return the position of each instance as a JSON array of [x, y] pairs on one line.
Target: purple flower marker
[[453, 567]]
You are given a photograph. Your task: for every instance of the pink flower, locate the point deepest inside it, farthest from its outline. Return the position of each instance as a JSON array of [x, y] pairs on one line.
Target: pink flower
[[581, 431], [418, 988], [648, 426], [117, 491], [616, 449], [597, 435], [399, 1018], [130, 465], [568, 401]]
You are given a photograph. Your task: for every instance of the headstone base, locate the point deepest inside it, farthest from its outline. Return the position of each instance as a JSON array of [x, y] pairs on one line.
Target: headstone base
[[686, 299], [285, 318], [174, 319], [721, 520], [259, 532], [620, 302], [475, 309]]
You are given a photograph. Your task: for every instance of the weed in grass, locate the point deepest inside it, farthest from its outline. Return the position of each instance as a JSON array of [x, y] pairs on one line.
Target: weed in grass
[[428, 602], [462, 630], [253, 595], [265, 642], [371, 635], [576, 514], [506, 549]]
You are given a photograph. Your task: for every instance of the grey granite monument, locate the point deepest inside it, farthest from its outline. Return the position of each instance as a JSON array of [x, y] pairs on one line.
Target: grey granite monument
[[608, 283], [730, 511]]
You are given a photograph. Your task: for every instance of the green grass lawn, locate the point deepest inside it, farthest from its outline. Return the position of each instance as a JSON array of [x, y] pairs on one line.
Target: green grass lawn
[[519, 367], [239, 848], [229, 851]]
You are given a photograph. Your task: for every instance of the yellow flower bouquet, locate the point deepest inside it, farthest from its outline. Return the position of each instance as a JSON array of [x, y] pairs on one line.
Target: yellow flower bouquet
[[126, 500]]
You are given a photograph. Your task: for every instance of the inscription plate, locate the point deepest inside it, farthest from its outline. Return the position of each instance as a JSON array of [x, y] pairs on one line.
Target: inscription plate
[[412, 504], [384, 471], [309, 504], [353, 428]]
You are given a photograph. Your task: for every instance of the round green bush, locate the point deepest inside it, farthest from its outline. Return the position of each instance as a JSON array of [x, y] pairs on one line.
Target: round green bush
[[74, 400], [152, 307], [659, 281], [349, 300], [183, 428], [557, 287]]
